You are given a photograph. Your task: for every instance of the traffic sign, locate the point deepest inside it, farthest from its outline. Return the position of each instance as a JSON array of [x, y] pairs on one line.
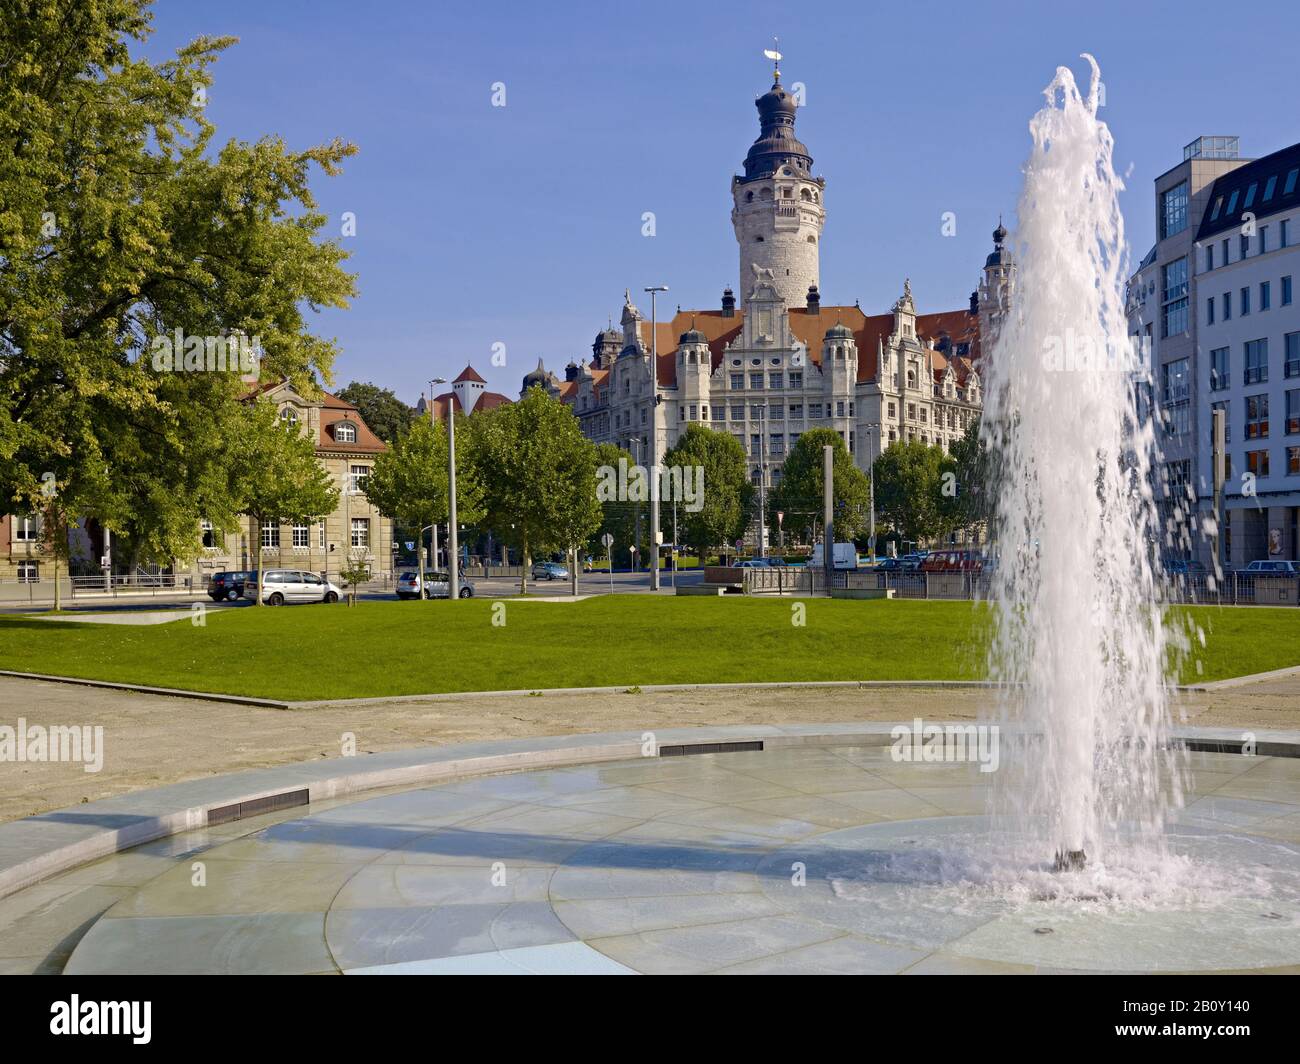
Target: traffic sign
[[608, 540]]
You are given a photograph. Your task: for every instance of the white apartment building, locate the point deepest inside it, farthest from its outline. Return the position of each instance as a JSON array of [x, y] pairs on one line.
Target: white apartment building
[[1247, 263], [1214, 301]]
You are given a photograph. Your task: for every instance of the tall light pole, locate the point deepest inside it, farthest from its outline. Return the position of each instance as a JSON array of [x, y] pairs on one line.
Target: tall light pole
[[873, 432], [453, 546], [762, 480], [654, 290], [433, 530]]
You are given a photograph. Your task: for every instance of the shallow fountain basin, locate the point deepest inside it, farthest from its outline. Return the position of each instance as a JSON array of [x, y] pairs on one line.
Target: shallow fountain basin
[[790, 859]]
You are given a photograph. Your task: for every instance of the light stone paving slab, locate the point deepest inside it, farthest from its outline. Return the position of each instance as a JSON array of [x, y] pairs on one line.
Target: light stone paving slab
[[565, 958], [737, 874]]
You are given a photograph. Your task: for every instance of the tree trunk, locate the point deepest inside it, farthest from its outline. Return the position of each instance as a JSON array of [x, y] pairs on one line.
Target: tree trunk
[[255, 550], [54, 548], [573, 572], [523, 569]]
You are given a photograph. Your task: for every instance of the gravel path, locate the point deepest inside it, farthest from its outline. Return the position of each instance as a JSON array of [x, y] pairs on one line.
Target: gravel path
[[150, 740]]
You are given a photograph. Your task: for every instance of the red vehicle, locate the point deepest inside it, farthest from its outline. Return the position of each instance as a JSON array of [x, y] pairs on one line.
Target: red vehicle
[[953, 561]]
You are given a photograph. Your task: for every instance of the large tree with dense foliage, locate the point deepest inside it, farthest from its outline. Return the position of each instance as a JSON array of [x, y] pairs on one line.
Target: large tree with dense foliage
[[121, 222], [727, 494], [619, 515], [282, 481], [913, 489], [800, 495], [387, 416], [408, 482], [967, 505], [538, 476]]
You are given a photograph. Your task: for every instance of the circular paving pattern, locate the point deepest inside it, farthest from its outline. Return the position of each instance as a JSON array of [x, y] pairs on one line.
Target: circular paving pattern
[[791, 859]]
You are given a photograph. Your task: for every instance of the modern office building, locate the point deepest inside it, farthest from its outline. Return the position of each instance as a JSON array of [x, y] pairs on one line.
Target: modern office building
[[1213, 300], [1247, 254]]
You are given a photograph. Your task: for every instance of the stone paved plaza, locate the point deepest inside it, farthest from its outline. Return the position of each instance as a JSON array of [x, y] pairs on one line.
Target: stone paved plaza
[[653, 865]]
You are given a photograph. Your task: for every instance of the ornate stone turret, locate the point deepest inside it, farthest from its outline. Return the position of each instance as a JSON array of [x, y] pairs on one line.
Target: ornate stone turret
[[778, 212], [607, 345], [996, 289]]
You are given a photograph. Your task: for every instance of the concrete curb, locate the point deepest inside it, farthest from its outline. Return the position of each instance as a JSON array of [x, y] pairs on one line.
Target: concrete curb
[[459, 696], [172, 692], [1243, 681], [38, 847]]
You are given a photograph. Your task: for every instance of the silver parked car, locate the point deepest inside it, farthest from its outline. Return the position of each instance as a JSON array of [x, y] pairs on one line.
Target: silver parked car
[[437, 585], [1280, 566], [280, 587]]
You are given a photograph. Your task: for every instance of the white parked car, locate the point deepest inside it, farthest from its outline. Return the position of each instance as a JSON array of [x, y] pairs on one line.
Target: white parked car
[[280, 587], [437, 585], [1281, 567]]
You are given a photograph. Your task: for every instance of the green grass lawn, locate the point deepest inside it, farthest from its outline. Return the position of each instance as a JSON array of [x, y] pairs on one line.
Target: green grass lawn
[[388, 648]]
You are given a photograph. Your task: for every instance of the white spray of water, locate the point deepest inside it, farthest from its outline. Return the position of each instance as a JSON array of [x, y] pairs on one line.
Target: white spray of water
[[1081, 641]]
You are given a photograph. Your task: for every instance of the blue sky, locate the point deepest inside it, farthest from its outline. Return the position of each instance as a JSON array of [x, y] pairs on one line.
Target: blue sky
[[521, 225]]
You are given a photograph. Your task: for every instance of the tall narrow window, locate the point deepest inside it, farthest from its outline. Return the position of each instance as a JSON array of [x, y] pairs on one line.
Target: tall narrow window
[[1256, 361]]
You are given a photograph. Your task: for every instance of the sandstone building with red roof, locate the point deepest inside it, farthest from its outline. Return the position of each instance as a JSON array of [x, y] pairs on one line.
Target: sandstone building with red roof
[[782, 363]]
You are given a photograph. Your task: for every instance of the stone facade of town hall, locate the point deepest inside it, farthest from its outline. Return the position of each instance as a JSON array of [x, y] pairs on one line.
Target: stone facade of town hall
[[782, 362]]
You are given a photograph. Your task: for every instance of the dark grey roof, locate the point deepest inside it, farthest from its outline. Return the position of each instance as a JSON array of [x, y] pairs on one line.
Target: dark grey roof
[[776, 145], [1246, 189]]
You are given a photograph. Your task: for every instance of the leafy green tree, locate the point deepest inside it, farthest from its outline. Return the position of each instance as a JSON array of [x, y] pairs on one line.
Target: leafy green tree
[[968, 505], [727, 492], [910, 481], [121, 222], [408, 482], [800, 494], [353, 572], [388, 417], [538, 475], [282, 479], [619, 516]]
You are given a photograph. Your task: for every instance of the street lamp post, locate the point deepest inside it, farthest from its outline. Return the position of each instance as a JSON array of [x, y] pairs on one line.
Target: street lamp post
[[453, 546], [762, 480], [433, 534], [654, 290], [873, 432]]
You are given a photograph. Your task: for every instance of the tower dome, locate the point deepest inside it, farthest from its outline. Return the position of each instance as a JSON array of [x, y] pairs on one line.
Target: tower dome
[[692, 336], [999, 255], [776, 145], [839, 331]]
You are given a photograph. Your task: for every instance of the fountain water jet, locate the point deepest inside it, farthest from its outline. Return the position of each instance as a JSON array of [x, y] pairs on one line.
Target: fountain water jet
[[1081, 644]]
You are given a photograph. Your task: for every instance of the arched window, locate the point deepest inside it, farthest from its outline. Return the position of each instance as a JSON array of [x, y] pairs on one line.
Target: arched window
[[812, 240], [765, 193], [758, 240], [749, 197], [288, 416], [805, 195], [345, 432]]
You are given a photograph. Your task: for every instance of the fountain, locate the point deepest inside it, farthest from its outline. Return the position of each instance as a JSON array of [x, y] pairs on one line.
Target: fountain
[[1081, 643], [1092, 842]]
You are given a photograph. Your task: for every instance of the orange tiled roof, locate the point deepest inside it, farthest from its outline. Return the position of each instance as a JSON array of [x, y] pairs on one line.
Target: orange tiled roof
[[448, 400], [959, 326], [334, 410]]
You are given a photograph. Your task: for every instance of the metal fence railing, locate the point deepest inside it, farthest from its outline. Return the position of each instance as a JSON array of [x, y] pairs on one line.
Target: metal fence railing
[[1232, 589]]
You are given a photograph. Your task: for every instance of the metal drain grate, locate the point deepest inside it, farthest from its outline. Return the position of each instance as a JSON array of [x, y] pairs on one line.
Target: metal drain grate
[[709, 748], [224, 814]]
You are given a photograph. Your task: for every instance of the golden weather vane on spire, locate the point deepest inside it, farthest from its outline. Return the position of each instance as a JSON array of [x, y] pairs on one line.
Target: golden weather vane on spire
[[775, 56]]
